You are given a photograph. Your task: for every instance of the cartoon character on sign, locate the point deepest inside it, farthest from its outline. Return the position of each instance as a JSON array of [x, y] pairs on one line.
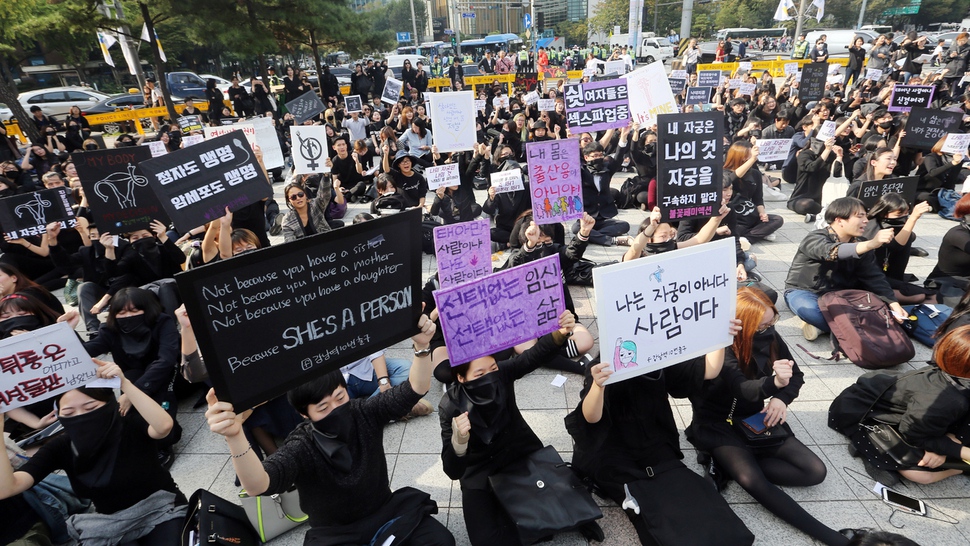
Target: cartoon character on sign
[[625, 355], [115, 181], [658, 274], [36, 208]]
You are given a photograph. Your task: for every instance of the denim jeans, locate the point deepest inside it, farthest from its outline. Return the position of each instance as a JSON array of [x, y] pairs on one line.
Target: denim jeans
[[398, 370], [804, 303]]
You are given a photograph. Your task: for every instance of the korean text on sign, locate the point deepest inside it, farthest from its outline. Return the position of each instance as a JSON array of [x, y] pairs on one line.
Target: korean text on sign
[[555, 181], [463, 252], [596, 106], [690, 164]]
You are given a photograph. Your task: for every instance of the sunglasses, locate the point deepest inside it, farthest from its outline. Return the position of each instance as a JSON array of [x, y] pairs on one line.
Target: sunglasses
[[298, 195]]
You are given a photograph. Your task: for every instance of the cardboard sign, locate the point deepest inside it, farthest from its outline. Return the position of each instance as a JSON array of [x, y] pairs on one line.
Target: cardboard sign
[[463, 252], [506, 181], [747, 88], [698, 95], [648, 97], [555, 181], [677, 85], [190, 123], [442, 176], [157, 148], [665, 309], [453, 119], [195, 185], [926, 126], [547, 105], [309, 146], [827, 130], [614, 67], [305, 106], [772, 150], [708, 78], [791, 68], [905, 97], [956, 143], [690, 161], [597, 106], [484, 316], [28, 214], [42, 364], [276, 318], [353, 104], [871, 190], [812, 85], [117, 190], [873, 74]]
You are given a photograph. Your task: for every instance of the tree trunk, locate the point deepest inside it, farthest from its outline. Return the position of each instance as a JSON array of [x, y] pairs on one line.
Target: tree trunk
[[254, 27], [157, 58], [315, 47], [8, 94]]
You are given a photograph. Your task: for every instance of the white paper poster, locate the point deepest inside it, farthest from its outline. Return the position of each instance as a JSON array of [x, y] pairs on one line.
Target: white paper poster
[[547, 105], [157, 148], [734, 83], [531, 98], [453, 119], [442, 176], [506, 181], [192, 140], [678, 74], [268, 142], [650, 94], [501, 101], [747, 88], [827, 130], [775, 149], [614, 67], [309, 149], [873, 74], [791, 68], [956, 143], [480, 105]]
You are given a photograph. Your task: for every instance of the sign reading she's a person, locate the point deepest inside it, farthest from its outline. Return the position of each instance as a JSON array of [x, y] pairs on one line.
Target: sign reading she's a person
[[27, 214], [690, 164], [554, 180], [463, 252], [41, 364], [117, 190]]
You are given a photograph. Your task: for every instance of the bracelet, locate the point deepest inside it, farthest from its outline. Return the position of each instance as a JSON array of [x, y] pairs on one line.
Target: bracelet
[[421, 352], [383, 377], [248, 449]]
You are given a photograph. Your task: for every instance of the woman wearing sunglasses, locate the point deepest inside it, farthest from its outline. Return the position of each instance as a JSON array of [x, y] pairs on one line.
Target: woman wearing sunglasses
[[307, 214]]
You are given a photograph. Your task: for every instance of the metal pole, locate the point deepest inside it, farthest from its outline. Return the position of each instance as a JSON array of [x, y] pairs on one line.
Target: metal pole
[[126, 42], [862, 15], [656, 14], [414, 24], [801, 18], [685, 19]]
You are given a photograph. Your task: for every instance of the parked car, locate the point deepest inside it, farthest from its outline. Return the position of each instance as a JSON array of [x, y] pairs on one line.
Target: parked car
[[947, 38], [839, 41], [57, 101], [222, 84], [185, 85], [111, 104], [5, 112]]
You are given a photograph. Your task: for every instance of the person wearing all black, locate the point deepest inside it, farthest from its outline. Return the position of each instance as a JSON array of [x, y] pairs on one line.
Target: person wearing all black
[[9, 146], [636, 192], [506, 207], [893, 212], [814, 162], [261, 100], [347, 168], [95, 274], [408, 75], [293, 85], [953, 264], [742, 172], [215, 98], [457, 203], [378, 74], [596, 174], [360, 82], [938, 171], [330, 87], [73, 138], [43, 121], [242, 102], [421, 79], [411, 185], [456, 73]]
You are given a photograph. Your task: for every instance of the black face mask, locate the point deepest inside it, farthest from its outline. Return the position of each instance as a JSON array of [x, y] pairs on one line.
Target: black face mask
[[95, 439], [131, 325], [145, 246], [332, 434], [597, 164], [484, 400], [755, 133], [23, 322], [137, 338], [658, 248], [895, 222], [885, 125]]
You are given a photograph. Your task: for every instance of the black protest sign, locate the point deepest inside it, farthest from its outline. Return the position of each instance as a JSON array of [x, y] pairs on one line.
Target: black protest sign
[[276, 318], [698, 95], [526, 80], [28, 214], [708, 78], [117, 191], [907, 97], [195, 185], [354, 103], [812, 84], [190, 123], [677, 84], [926, 126], [871, 190], [305, 107], [690, 164]]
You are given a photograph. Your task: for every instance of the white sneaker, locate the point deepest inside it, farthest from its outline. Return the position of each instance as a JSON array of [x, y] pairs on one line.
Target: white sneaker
[[745, 244], [771, 237], [810, 332]]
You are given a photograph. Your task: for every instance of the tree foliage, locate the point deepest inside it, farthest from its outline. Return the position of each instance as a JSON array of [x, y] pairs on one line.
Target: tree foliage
[[574, 33], [395, 16]]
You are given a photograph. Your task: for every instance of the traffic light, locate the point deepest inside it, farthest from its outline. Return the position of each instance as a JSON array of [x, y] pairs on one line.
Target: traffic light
[[540, 20], [453, 40]]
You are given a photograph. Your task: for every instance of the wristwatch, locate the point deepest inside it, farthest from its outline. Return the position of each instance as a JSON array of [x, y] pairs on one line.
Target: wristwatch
[[383, 381]]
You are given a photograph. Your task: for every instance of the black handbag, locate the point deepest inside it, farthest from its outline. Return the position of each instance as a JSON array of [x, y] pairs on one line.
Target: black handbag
[[543, 496], [210, 519], [769, 437], [886, 438]]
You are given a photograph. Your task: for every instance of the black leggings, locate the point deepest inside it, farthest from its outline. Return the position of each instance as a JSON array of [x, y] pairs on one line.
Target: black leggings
[[805, 206], [792, 464]]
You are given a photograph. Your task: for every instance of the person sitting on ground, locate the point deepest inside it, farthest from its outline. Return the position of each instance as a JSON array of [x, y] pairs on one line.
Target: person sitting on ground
[[892, 212], [953, 263], [597, 173], [655, 237]]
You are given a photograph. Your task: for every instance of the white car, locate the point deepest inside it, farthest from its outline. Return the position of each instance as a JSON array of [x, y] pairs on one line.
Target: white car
[[57, 101], [5, 112]]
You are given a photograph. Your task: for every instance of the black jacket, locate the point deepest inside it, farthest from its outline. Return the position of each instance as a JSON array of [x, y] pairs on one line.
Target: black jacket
[[599, 203], [818, 267], [813, 171], [151, 373]]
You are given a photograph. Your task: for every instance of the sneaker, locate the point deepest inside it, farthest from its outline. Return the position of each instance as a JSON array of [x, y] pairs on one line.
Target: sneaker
[[623, 240], [771, 237], [810, 332], [745, 243], [809, 218], [277, 226]]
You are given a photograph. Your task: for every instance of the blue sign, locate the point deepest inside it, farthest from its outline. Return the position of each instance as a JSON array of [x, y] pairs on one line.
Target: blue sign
[[468, 15], [403, 36], [449, 32], [527, 20]]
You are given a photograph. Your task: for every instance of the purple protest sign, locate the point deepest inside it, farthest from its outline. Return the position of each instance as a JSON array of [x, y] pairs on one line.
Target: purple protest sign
[[555, 180], [463, 252], [597, 106], [484, 316]]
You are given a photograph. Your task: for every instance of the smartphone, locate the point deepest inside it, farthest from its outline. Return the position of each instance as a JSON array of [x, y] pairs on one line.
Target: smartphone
[[756, 423], [114, 241], [898, 500]]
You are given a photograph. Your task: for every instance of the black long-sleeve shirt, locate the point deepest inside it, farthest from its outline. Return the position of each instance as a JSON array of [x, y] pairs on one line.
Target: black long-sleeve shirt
[[151, 373]]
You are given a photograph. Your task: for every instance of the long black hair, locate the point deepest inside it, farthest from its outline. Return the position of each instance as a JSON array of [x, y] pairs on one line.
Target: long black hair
[[135, 298]]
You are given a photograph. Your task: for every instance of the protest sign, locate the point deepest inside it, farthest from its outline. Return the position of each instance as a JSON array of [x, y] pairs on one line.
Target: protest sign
[[463, 252], [117, 191], [698, 95], [596, 106], [744, 67], [305, 107], [926, 126], [276, 318], [248, 129], [648, 96], [480, 105], [774, 149], [353, 104], [791, 68], [453, 119], [547, 105], [690, 164], [484, 316], [677, 85], [665, 309], [871, 190], [268, 141], [678, 74], [589, 72], [195, 185], [189, 123], [812, 85], [442, 176], [501, 101], [191, 140], [747, 88], [157, 148], [42, 364], [555, 180], [905, 97], [708, 78], [526, 80], [734, 83], [28, 214], [956, 143], [506, 181], [309, 149], [531, 98], [827, 130], [873, 74], [614, 67]]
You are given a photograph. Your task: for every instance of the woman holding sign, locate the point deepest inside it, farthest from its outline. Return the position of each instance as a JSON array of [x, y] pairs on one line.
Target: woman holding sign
[[939, 171]]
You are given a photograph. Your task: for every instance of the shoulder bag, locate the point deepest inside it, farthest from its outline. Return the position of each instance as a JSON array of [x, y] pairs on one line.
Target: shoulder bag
[[273, 515], [210, 519], [753, 431]]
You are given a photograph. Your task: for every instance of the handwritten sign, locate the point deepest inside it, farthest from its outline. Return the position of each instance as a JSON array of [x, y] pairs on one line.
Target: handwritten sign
[[506, 181], [259, 131], [453, 119], [442, 176], [526, 80], [791, 68], [157, 148], [614, 67], [690, 164], [42, 364], [597, 106], [555, 181], [956, 143], [708, 78], [531, 97], [195, 185], [278, 317], [480, 105], [678, 74], [812, 85], [484, 316], [28, 214], [774, 149], [648, 96], [665, 309], [463, 252], [698, 95], [871, 190], [309, 149], [677, 85], [353, 104], [547, 105], [500, 102], [926, 126], [734, 83], [117, 190], [744, 67], [305, 107], [873, 74], [905, 97], [827, 130], [747, 88], [192, 140]]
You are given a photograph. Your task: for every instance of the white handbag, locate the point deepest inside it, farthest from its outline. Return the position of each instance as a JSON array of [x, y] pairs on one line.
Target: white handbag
[[835, 186]]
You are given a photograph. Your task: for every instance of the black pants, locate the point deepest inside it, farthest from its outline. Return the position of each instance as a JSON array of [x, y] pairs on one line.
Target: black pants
[[760, 230], [430, 532], [805, 206], [487, 522]]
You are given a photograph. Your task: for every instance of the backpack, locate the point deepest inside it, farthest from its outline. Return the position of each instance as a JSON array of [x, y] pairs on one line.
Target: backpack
[[864, 329], [928, 320], [948, 202], [626, 198], [427, 234]]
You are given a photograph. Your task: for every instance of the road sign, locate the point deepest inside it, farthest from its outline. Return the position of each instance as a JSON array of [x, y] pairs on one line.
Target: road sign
[[906, 10], [468, 15], [403, 36], [527, 20], [449, 32]]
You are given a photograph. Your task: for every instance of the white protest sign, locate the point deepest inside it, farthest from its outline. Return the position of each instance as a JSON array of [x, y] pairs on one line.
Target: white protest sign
[[38, 365], [309, 149], [833, 79], [734, 83], [744, 66], [791, 68], [665, 309], [798, 76], [531, 98], [589, 72], [834, 69], [268, 141], [747, 88], [873, 74], [157, 148], [479, 105], [500, 101], [247, 128], [191, 140], [442, 176], [827, 131], [453, 119], [614, 67], [956, 143], [392, 91], [506, 181], [925, 58], [650, 94], [678, 74], [774, 149], [547, 105]]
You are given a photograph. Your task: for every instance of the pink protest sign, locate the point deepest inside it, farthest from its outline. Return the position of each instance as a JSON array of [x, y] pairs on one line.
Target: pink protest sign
[[486, 315], [463, 252], [555, 180]]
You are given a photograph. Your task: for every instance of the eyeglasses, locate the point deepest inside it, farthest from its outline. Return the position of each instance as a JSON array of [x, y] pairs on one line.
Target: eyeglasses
[[297, 195], [763, 329]]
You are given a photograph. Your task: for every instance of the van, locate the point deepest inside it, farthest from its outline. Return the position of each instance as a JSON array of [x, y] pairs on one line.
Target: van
[[839, 41]]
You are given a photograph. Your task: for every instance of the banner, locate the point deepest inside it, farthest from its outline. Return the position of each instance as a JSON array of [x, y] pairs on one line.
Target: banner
[[772, 150], [690, 161], [506, 181], [486, 315], [442, 176], [905, 97], [453, 119], [526, 80], [597, 106], [463, 252], [309, 149], [28, 214], [665, 309], [555, 180], [117, 191], [305, 107], [648, 96]]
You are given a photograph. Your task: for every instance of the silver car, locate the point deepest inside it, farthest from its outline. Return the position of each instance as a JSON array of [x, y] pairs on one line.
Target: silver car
[[57, 101]]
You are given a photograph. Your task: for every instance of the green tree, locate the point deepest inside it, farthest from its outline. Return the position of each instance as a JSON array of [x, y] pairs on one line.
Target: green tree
[[609, 14], [574, 33], [395, 16]]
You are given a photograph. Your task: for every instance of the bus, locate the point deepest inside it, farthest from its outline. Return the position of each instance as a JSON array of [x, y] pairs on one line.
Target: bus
[[878, 29], [430, 49], [493, 43], [741, 33], [407, 50]]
